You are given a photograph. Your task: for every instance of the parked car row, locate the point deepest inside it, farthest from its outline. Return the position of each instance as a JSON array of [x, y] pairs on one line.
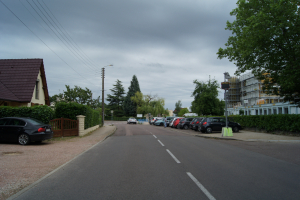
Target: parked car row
[[202, 124]]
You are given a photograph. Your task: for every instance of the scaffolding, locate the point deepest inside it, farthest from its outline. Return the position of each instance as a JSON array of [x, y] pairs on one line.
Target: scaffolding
[[233, 94], [248, 87]]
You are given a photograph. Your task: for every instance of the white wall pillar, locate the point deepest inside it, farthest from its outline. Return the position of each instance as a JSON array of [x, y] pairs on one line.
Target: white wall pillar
[[80, 119]]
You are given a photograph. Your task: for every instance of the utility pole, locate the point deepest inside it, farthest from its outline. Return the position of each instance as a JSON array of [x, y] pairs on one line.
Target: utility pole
[[103, 75]]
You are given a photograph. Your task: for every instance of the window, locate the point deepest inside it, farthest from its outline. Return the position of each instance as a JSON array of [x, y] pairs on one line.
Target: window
[[286, 110], [223, 120], [37, 89], [16, 122], [265, 112], [260, 111], [246, 112], [279, 110], [256, 112], [269, 111], [274, 111], [3, 121]]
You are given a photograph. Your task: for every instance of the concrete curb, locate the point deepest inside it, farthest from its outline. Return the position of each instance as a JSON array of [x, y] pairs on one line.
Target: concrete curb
[[219, 138], [58, 168]]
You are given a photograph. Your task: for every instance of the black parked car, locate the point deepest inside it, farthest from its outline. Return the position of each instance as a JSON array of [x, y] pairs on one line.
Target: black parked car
[[192, 123], [185, 123], [211, 124], [24, 130], [197, 123]]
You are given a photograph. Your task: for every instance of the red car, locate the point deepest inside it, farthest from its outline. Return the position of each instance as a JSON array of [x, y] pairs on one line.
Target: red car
[[177, 122]]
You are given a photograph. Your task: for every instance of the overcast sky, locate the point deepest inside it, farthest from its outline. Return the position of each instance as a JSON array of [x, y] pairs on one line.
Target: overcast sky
[[166, 43]]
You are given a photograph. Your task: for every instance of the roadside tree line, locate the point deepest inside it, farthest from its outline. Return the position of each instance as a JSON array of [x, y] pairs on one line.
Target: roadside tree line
[[135, 102]]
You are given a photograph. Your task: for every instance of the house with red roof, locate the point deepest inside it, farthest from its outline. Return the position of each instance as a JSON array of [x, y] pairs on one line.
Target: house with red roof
[[23, 83]]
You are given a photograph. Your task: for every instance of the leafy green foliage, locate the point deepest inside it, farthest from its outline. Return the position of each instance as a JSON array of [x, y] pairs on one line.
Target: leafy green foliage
[[281, 122], [130, 107], [178, 106], [71, 110], [78, 95], [183, 111], [266, 40], [42, 113], [149, 104], [206, 100]]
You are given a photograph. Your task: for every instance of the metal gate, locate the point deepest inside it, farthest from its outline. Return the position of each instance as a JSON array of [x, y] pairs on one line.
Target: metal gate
[[63, 127]]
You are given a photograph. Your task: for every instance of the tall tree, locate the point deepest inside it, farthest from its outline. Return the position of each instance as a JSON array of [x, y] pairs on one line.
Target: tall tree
[[183, 111], [150, 104], [206, 100], [130, 107], [266, 40], [116, 99], [178, 106], [78, 95]]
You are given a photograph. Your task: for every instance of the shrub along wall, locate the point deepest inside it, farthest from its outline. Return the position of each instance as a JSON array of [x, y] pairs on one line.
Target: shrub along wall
[[41, 113], [281, 122], [71, 110]]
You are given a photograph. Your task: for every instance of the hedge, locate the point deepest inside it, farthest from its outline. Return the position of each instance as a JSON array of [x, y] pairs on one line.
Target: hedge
[[71, 110], [280, 122], [41, 113]]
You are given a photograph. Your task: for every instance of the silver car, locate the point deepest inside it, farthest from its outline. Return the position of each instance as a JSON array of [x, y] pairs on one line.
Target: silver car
[[131, 120]]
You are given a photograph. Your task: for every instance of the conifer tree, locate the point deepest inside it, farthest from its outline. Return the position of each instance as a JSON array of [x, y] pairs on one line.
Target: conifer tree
[[130, 107], [116, 99]]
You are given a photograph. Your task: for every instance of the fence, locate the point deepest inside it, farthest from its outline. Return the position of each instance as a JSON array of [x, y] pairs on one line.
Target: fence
[[63, 127]]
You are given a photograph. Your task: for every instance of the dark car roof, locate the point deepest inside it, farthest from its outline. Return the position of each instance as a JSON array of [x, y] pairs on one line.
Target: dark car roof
[[27, 119]]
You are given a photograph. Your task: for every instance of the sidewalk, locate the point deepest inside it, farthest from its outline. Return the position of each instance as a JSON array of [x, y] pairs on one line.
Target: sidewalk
[[245, 135], [38, 161]]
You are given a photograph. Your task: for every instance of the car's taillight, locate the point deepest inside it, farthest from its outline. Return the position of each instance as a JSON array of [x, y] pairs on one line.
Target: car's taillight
[[41, 130], [197, 122], [192, 122], [204, 123]]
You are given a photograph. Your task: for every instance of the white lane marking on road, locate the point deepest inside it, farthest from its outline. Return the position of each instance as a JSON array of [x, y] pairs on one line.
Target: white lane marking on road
[[173, 156], [204, 190], [154, 136], [161, 143]]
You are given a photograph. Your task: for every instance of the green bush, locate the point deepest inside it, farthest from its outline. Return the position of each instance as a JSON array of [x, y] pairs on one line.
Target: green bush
[[42, 113], [71, 110], [281, 122]]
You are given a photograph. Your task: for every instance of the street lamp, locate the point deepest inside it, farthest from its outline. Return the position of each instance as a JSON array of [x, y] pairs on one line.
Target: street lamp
[[103, 75], [227, 86]]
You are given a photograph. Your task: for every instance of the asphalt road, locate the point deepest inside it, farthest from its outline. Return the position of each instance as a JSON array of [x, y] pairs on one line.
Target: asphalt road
[[148, 162]]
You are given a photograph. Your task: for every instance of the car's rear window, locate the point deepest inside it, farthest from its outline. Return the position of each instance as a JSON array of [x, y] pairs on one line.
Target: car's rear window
[[34, 121]]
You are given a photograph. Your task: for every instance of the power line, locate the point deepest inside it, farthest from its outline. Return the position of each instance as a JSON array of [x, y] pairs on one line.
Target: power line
[[63, 36], [71, 39], [41, 39]]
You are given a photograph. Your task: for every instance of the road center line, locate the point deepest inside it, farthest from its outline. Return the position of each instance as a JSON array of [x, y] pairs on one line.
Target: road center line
[[204, 190], [154, 136], [161, 143], [173, 156]]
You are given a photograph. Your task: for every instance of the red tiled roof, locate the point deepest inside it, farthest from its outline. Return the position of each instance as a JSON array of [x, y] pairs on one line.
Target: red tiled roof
[[18, 78]]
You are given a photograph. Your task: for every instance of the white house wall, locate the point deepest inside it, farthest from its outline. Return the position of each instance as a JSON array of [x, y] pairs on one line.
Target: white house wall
[[41, 96]]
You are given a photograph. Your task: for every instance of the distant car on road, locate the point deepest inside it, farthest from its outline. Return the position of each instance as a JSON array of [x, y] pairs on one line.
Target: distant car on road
[[211, 124], [24, 130], [131, 120]]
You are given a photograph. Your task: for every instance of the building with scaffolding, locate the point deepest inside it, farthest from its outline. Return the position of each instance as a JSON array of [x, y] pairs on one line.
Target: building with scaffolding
[[246, 94]]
